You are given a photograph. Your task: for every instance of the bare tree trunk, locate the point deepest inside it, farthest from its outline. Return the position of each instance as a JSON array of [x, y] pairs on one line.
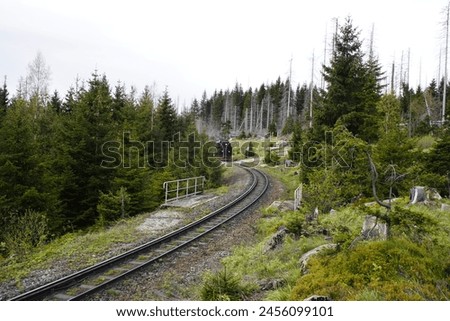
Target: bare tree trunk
[[373, 171]]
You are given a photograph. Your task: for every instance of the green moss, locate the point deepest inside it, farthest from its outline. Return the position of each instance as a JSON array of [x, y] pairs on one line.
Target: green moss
[[412, 265], [397, 269]]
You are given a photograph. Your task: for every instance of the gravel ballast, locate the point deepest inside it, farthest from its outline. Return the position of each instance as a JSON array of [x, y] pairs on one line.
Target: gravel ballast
[[179, 275], [167, 280]]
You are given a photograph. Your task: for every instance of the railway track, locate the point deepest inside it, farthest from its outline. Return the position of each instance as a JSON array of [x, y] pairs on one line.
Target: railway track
[[92, 279]]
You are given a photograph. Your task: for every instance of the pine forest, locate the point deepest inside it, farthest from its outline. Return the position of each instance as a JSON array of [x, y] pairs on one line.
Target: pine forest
[[360, 143]]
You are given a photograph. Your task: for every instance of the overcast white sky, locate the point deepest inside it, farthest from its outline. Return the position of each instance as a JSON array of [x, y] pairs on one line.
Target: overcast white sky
[[197, 45]]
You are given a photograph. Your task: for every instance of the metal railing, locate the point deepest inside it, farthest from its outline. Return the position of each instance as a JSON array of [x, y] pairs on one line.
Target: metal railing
[[298, 194], [184, 187]]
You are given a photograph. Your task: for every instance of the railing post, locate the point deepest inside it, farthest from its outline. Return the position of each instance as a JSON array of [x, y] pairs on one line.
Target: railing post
[[165, 193], [298, 196], [187, 188]]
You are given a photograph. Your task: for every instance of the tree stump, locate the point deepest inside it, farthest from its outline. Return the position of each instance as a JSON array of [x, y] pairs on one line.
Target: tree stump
[[417, 195]]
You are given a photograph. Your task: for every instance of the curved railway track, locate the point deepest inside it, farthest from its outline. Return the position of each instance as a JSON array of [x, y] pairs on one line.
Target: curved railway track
[[90, 280]]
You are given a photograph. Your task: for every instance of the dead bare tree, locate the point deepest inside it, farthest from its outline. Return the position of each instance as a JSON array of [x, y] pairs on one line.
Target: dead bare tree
[[38, 79], [374, 173], [392, 179]]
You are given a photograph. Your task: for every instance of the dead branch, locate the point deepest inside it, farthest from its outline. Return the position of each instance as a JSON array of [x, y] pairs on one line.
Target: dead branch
[[373, 171]]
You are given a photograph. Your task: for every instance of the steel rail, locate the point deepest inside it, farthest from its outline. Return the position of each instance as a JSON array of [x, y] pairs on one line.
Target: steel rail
[[75, 278]]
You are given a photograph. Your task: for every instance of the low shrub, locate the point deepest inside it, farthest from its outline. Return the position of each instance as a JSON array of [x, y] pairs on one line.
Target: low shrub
[[397, 269], [222, 286]]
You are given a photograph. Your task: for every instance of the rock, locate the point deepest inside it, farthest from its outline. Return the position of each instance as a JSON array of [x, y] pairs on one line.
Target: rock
[[275, 204], [282, 206], [317, 298], [313, 216], [433, 194], [289, 163], [420, 194], [373, 228], [371, 204], [305, 257], [445, 207], [267, 285], [276, 240], [332, 212]]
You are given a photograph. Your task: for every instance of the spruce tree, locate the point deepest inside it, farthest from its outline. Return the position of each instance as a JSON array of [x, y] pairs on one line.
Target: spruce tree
[[119, 103], [195, 109], [166, 126], [205, 107], [69, 101], [438, 159], [26, 183], [300, 98], [276, 93], [145, 116], [394, 151], [295, 153], [85, 132], [55, 103], [217, 108], [19, 159], [4, 100], [352, 86], [166, 118], [260, 94]]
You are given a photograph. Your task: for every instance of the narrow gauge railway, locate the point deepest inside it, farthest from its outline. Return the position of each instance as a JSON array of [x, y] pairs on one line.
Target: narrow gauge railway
[[92, 279]]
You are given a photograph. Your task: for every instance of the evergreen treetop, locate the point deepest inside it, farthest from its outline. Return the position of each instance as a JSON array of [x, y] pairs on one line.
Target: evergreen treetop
[[352, 86], [166, 118]]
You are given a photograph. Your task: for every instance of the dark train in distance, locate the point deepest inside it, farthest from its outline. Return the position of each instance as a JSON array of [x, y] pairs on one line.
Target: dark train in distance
[[224, 150]]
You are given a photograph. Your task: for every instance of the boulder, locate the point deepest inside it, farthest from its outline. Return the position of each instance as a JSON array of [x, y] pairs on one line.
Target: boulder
[[305, 257], [267, 284], [289, 163], [374, 229], [313, 216], [276, 240], [445, 207], [433, 194]]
